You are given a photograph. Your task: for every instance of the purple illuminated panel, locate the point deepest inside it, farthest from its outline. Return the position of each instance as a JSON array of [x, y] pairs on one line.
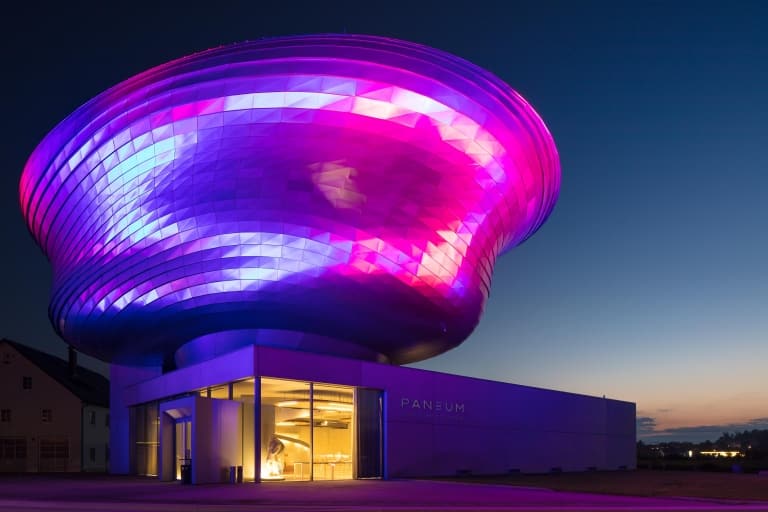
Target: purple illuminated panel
[[340, 194]]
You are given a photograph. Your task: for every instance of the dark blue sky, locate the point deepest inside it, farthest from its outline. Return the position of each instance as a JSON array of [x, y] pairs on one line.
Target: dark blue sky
[[648, 283]]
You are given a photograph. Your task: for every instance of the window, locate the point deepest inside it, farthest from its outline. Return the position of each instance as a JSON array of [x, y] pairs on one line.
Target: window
[[47, 416], [92, 454], [92, 417], [5, 415], [53, 455], [221, 392], [145, 432], [13, 448], [310, 427], [106, 420], [26, 382], [54, 449]]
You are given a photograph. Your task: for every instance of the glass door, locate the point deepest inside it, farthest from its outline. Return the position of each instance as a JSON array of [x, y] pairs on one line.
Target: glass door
[[183, 448], [369, 406]]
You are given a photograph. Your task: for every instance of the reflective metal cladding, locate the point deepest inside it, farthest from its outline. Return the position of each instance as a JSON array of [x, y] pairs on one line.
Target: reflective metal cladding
[[337, 194]]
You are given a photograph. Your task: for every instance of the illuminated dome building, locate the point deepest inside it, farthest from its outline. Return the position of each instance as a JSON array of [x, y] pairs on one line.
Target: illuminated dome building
[[337, 195]]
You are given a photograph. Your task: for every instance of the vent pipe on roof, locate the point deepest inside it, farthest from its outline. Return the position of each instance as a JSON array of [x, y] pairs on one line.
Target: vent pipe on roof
[[72, 361]]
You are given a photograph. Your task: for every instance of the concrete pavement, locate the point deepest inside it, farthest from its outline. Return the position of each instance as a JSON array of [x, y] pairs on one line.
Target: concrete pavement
[[32, 493]]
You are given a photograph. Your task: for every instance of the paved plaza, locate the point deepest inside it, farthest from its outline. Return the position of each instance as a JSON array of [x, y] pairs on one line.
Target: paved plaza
[[115, 493]]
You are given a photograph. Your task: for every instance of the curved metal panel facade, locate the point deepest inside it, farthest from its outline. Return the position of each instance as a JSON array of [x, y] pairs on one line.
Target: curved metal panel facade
[[339, 194]]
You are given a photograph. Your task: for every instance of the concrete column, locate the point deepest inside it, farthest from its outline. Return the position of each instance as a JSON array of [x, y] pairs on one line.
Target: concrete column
[[257, 444], [167, 460]]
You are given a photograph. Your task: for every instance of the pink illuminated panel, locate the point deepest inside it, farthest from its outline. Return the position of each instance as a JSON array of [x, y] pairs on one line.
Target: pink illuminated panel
[[344, 194]]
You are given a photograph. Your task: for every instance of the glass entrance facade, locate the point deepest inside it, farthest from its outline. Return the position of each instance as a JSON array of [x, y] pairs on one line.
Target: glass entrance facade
[[307, 430], [296, 430], [317, 431]]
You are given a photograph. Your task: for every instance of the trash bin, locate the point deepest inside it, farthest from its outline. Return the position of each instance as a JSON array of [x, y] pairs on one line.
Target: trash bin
[[239, 474], [232, 474], [186, 471]]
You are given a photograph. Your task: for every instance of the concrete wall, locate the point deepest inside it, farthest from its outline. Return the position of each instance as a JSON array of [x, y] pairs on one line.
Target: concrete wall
[[439, 424], [216, 439], [233, 366]]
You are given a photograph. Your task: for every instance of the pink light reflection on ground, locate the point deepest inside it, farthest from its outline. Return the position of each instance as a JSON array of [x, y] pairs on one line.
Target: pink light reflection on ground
[[106, 493]]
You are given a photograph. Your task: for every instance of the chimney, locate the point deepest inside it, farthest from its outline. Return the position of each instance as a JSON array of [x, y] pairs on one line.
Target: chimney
[[72, 361]]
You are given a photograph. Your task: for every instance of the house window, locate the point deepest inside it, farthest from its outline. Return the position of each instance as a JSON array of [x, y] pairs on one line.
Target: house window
[[92, 454], [26, 382], [13, 448], [54, 454], [5, 415], [92, 417], [47, 416]]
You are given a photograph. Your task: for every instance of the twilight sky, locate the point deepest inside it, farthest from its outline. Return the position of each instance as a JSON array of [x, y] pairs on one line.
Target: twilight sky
[[647, 284]]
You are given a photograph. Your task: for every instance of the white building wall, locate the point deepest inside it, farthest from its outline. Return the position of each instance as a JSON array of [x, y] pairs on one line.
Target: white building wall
[[95, 423]]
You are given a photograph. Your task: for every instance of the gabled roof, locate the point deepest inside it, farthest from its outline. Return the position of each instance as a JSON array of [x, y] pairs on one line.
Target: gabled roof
[[90, 387]]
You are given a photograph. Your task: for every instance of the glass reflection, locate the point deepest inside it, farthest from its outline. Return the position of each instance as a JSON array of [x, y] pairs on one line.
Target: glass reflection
[[145, 429]]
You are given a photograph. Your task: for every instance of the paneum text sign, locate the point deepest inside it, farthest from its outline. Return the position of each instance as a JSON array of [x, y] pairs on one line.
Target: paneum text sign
[[443, 406]]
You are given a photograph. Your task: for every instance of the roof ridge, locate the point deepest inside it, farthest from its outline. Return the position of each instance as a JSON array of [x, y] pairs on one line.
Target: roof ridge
[[89, 386]]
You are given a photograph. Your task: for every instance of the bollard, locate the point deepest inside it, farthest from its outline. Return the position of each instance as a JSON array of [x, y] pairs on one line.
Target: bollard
[[186, 471]]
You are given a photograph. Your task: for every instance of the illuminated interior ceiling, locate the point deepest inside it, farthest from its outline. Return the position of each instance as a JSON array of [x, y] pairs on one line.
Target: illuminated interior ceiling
[[340, 194]]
